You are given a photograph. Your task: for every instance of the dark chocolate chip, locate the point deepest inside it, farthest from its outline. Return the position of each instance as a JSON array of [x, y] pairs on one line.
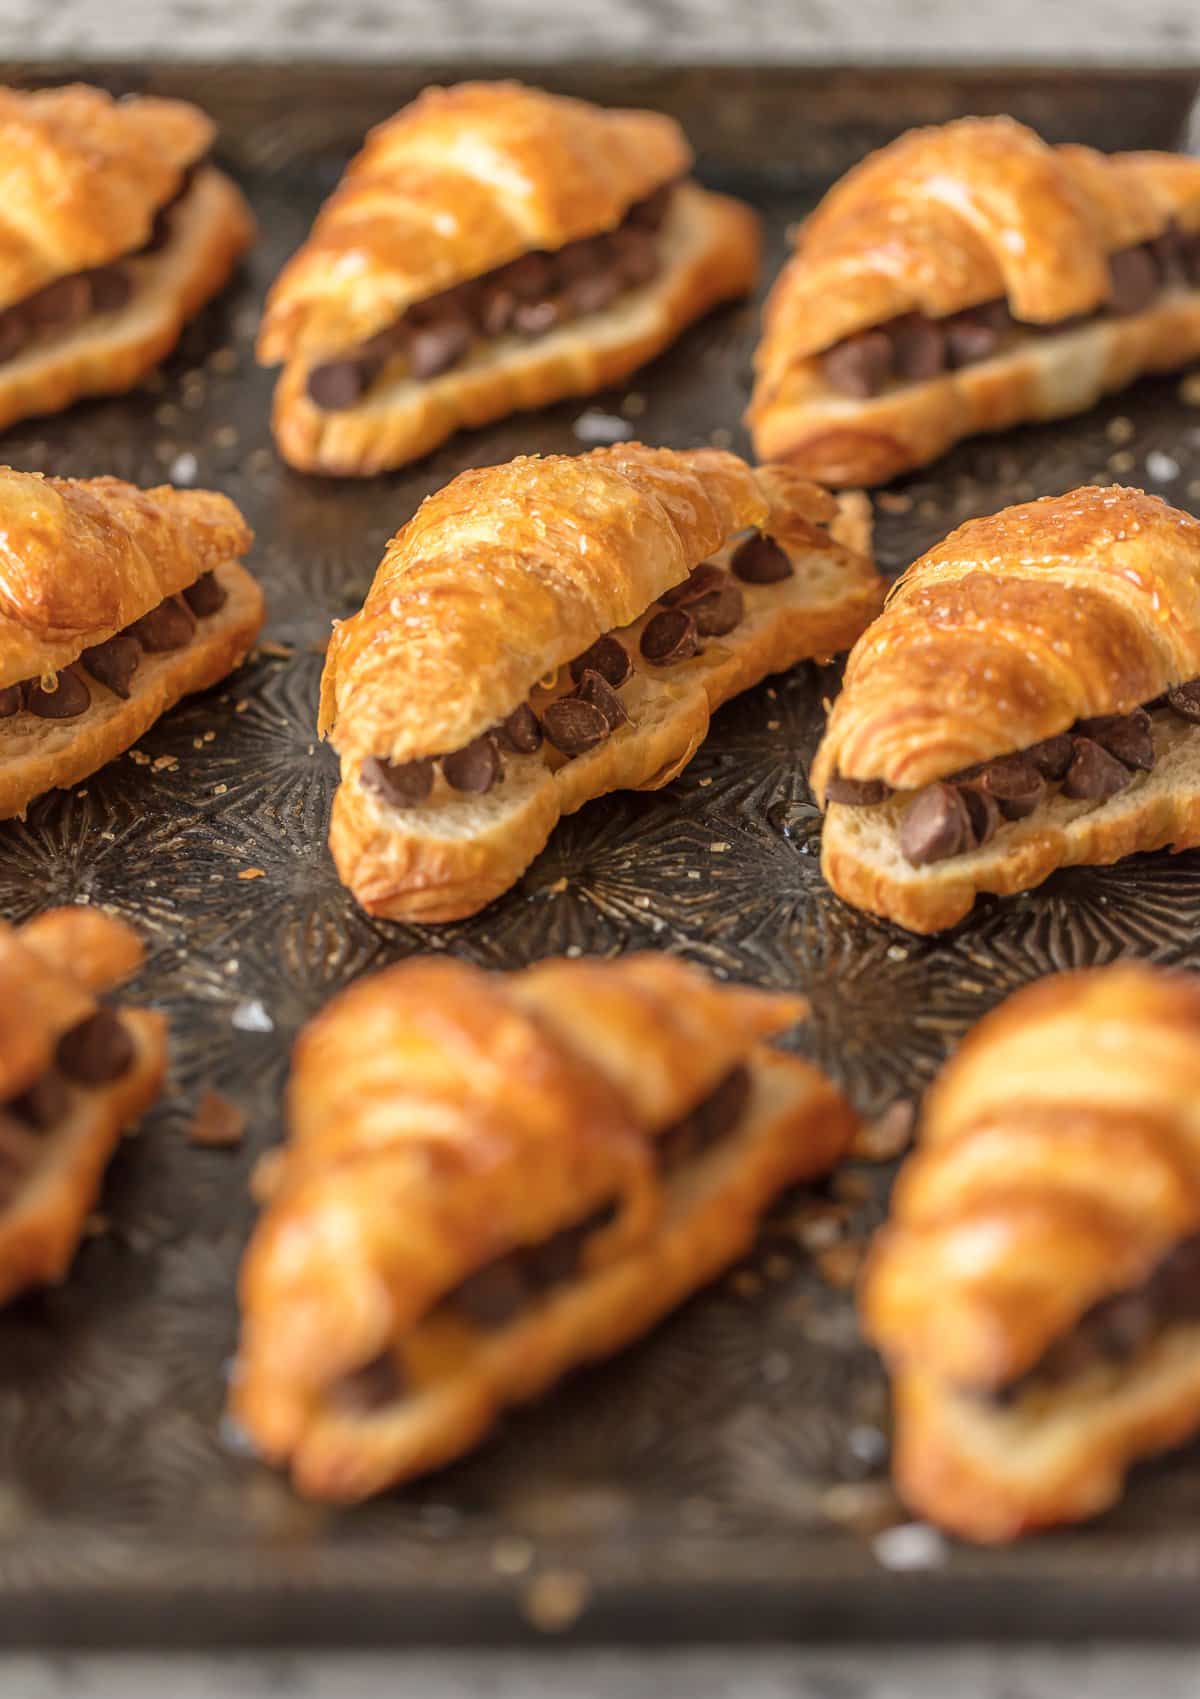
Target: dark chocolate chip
[[701, 581], [1130, 737], [521, 733], [972, 335], [70, 698], [96, 1051], [168, 626], [1094, 775], [61, 305], [718, 612], [10, 701], [114, 663], [365, 1391], [1184, 699], [474, 768], [636, 255], [435, 347], [493, 1295], [206, 596], [935, 827], [860, 365], [983, 813], [1052, 756], [856, 793], [44, 1103], [15, 331], [535, 318], [402, 783], [607, 657], [669, 636], [338, 384], [1133, 280], [529, 278], [919, 348], [111, 288], [760, 560], [595, 689], [574, 726], [1014, 784], [584, 258]]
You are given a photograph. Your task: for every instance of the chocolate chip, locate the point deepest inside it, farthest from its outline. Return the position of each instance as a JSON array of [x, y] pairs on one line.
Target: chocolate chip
[[1052, 756], [584, 258], [494, 313], [760, 560], [701, 581], [983, 814], [973, 335], [557, 1258], [402, 783], [168, 626], [44, 1103], [15, 331], [636, 255], [1094, 775], [521, 733], [935, 827], [856, 793], [669, 636], [607, 657], [650, 212], [95, 1051], [1184, 699], [709, 1122], [474, 768], [919, 348], [529, 277], [435, 347], [860, 365], [61, 305], [574, 726], [206, 596], [10, 701], [492, 1296], [535, 318], [70, 698], [596, 690], [1133, 280], [111, 288], [1130, 737], [369, 1389], [114, 663], [338, 384], [1014, 784], [718, 612]]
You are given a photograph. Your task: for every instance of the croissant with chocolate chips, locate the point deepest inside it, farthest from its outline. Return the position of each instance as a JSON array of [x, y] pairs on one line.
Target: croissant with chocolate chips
[[114, 603], [492, 247], [1029, 699], [494, 1178], [1036, 1291], [965, 278], [114, 231], [73, 1073], [545, 631]]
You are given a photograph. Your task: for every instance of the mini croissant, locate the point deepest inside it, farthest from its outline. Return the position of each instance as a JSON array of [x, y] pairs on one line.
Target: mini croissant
[[492, 1179], [114, 231], [963, 279], [492, 247], [1036, 1292], [1029, 699], [114, 603], [73, 1073], [545, 631]]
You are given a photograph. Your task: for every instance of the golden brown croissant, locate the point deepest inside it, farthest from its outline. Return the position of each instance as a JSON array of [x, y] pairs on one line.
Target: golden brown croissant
[[114, 603], [113, 233], [1028, 699], [493, 1178], [545, 631], [1035, 1292], [492, 247], [963, 279], [73, 1073]]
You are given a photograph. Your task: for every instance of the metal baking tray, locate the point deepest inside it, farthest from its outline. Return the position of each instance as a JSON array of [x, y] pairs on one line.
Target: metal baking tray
[[725, 1478]]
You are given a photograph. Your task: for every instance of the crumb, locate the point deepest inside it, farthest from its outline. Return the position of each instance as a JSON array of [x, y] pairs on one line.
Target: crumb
[[138, 758], [704, 783], [165, 763], [888, 1135], [746, 1283], [558, 887], [634, 405], [224, 360], [226, 436], [210, 737], [894, 501], [693, 873], [555, 1600], [241, 706], [217, 1123], [252, 873], [219, 790], [1119, 430], [839, 1265], [512, 1555], [819, 1226], [717, 849], [897, 952], [1121, 461]]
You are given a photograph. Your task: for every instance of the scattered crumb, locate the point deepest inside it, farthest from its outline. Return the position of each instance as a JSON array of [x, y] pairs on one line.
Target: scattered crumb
[[1121, 461], [1120, 429], [1189, 389], [252, 873], [226, 436], [210, 737], [219, 790], [240, 707], [888, 1135], [138, 758], [217, 1123], [894, 501], [718, 849], [912, 1545], [558, 887], [693, 873], [817, 1226], [512, 1555], [641, 902], [774, 725], [225, 360], [1161, 467], [897, 952], [184, 468], [595, 427], [165, 763], [839, 1265], [555, 1600], [634, 405]]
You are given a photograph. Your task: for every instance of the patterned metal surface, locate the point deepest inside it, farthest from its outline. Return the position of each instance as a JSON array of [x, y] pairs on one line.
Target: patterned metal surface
[[724, 1477]]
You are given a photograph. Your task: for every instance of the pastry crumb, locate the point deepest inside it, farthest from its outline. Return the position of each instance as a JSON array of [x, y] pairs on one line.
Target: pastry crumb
[[252, 873], [718, 848], [1120, 429], [165, 763], [839, 1265], [558, 887], [1121, 461], [218, 1124], [138, 758], [555, 1600], [888, 1135], [512, 1555]]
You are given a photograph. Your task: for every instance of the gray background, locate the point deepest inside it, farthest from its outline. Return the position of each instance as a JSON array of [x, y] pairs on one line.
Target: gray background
[[864, 31]]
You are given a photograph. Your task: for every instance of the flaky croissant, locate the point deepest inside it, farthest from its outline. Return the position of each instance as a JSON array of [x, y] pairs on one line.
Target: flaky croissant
[[113, 233], [73, 1073], [548, 630], [963, 279], [1028, 699], [493, 1178], [1035, 1291], [114, 603], [492, 247]]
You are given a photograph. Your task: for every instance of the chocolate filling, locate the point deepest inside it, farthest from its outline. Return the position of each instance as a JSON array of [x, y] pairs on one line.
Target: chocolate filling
[[1117, 1328], [914, 348], [494, 1294], [95, 1051], [1097, 759], [529, 296], [708, 1123]]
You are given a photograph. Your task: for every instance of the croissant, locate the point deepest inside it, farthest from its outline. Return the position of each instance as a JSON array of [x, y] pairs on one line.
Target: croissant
[[963, 279], [73, 1073], [114, 603], [491, 1179], [1028, 699], [492, 247], [1035, 1289], [114, 231], [545, 631]]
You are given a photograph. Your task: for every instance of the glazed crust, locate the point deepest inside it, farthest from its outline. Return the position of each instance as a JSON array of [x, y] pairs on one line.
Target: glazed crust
[[441, 1117], [948, 218], [458, 183], [1058, 1164], [52, 968]]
